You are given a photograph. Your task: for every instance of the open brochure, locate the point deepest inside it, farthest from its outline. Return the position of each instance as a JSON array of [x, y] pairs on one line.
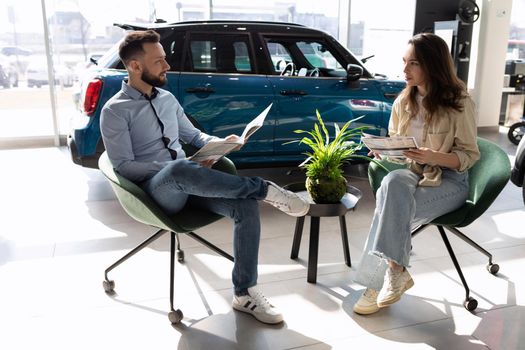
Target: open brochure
[[216, 149], [389, 146]]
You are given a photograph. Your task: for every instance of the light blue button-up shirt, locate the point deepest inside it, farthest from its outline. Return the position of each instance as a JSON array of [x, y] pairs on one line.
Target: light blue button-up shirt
[[132, 134]]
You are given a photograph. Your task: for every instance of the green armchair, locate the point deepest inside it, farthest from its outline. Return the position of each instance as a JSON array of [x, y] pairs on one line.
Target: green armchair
[[141, 207], [487, 178]]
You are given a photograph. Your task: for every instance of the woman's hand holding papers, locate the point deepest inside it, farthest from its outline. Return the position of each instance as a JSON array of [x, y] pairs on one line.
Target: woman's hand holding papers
[[421, 155], [424, 155]]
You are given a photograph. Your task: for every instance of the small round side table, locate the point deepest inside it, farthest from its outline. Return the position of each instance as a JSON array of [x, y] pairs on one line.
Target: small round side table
[[316, 212]]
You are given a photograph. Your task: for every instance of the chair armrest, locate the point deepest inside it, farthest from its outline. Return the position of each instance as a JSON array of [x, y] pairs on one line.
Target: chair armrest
[[225, 165]]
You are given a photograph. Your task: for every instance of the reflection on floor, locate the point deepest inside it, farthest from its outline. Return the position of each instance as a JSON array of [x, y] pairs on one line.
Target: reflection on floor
[[61, 227]]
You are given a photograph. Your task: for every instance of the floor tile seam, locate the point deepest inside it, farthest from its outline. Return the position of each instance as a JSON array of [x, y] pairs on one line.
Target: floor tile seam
[[114, 199], [499, 308], [131, 221], [475, 251], [304, 346], [201, 294], [230, 242], [376, 333], [504, 210], [56, 312], [509, 246]]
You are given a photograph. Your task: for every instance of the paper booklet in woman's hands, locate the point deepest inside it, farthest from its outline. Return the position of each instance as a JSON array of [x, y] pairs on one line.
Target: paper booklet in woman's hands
[[216, 149], [389, 146]]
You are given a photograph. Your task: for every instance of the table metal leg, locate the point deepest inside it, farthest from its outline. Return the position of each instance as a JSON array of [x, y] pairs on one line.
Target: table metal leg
[[314, 248], [299, 224], [344, 236]]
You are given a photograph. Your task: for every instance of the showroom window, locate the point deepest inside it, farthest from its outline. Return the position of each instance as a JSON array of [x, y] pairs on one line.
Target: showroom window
[[516, 46], [81, 31], [381, 35]]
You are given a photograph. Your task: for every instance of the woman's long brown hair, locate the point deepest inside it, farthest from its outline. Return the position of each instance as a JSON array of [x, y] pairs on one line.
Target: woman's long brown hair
[[444, 89]]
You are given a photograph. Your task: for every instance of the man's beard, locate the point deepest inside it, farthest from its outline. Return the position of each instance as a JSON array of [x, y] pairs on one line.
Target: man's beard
[[153, 80]]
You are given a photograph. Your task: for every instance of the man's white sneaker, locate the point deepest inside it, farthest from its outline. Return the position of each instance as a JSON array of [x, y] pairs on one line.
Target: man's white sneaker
[[395, 284], [367, 303], [256, 304], [286, 201]]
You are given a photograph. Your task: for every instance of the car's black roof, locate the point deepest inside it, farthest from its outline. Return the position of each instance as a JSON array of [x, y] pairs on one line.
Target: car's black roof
[[224, 25]]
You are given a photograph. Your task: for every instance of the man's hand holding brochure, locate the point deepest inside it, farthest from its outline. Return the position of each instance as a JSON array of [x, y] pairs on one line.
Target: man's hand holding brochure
[[389, 146], [216, 149]]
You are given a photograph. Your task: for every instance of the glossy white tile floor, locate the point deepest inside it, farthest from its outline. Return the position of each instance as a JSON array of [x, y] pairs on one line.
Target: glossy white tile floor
[[61, 227]]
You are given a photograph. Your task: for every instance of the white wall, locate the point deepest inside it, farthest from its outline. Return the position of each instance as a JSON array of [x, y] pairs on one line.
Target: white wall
[[492, 41]]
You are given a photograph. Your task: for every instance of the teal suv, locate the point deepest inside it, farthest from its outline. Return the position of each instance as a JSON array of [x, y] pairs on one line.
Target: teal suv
[[224, 73]]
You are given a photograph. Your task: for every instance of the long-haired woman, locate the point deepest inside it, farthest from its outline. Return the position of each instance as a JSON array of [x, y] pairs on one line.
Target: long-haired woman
[[437, 111]]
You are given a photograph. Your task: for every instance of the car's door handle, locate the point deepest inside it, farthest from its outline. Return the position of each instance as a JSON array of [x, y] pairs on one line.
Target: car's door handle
[[390, 95], [196, 90], [293, 92]]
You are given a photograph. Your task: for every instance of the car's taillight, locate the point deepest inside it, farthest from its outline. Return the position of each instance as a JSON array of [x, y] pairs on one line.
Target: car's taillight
[[91, 96]]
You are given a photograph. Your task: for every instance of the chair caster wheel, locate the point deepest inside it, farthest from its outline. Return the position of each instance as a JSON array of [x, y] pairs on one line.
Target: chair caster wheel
[[180, 255], [470, 304], [108, 286], [175, 316], [493, 268]]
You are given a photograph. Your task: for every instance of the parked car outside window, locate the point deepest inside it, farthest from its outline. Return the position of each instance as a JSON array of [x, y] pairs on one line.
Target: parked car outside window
[[8, 73], [14, 51], [37, 75]]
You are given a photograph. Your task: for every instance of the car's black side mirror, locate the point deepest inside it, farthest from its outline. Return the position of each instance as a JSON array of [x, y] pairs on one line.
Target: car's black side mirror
[[354, 72]]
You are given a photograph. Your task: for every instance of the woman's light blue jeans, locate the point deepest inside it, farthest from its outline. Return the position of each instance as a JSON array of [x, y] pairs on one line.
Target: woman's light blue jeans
[[185, 182], [401, 206]]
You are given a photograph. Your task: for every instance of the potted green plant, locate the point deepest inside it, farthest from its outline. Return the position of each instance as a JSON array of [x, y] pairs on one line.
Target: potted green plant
[[324, 166]]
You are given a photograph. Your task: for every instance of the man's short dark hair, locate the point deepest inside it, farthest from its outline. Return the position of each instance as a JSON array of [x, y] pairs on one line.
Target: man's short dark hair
[[131, 46]]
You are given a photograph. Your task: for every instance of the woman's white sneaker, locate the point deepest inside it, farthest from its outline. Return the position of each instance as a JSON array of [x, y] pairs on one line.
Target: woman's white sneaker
[[256, 304], [367, 303], [286, 201], [395, 284]]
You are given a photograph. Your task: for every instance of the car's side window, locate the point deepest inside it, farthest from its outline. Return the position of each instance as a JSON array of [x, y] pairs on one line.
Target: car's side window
[[318, 55], [242, 57], [172, 44], [303, 57], [279, 55], [220, 53], [202, 53]]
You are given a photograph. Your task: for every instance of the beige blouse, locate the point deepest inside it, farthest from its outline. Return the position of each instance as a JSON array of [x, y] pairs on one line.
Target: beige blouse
[[451, 131]]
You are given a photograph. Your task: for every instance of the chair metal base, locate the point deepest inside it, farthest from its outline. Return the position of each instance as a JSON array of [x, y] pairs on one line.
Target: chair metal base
[[469, 303], [175, 316]]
